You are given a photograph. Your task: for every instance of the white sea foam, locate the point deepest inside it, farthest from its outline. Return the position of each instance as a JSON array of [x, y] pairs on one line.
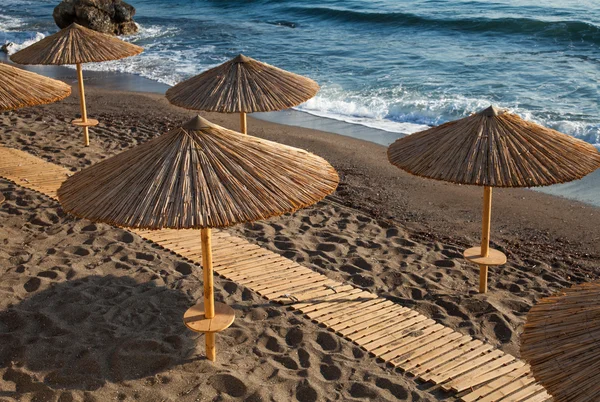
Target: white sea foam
[[349, 112], [14, 47], [395, 110], [409, 112], [160, 61], [164, 66], [146, 32], [9, 23]]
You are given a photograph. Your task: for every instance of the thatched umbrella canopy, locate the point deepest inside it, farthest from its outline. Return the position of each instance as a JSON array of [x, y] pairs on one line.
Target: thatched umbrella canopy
[[20, 88], [243, 85], [200, 176], [493, 148], [76, 45], [561, 343]]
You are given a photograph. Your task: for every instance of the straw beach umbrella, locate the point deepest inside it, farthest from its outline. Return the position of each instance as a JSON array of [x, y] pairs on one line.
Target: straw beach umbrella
[[243, 85], [493, 148], [76, 45], [199, 176], [561, 342], [20, 88]]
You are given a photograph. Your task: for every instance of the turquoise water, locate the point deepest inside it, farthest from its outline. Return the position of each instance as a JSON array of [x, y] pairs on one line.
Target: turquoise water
[[393, 65]]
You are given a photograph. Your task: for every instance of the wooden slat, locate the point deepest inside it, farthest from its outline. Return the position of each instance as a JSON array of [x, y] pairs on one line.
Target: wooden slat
[[359, 323], [411, 357], [316, 293], [266, 266], [241, 267], [497, 384], [541, 397], [303, 293], [478, 376], [254, 258], [335, 301], [376, 323], [463, 364], [252, 255], [482, 378], [508, 389], [379, 334], [417, 343], [367, 308], [280, 285], [311, 305], [397, 347], [290, 273], [425, 370], [349, 306], [524, 393]]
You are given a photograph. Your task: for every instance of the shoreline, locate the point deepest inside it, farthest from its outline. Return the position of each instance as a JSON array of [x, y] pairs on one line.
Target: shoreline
[[586, 190]]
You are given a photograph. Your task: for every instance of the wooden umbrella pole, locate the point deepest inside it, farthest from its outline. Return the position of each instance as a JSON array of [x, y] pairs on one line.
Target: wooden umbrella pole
[[82, 101], [485, 237], [209, 297], [243, 125]]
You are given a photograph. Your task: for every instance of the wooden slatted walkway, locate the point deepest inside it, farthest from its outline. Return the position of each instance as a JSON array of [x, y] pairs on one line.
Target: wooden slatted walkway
[[408, 340]]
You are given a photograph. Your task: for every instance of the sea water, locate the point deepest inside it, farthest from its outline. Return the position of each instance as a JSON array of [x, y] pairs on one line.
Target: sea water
[[395, 65]]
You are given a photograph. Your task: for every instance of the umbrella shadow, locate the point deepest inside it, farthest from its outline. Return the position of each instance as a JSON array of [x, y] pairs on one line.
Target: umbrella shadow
[[83, 333]]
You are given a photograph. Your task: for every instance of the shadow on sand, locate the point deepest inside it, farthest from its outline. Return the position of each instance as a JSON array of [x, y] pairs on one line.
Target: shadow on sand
[[83, 333]]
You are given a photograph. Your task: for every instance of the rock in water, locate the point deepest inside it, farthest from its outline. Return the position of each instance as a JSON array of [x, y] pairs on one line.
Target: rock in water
[[6, 47], [113, 17]]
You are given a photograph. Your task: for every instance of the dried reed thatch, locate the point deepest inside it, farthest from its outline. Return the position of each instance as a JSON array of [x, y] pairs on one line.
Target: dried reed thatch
[[561, 341], [74, 45], [243, 85], [198, 176], [497, 149], [20, 88]]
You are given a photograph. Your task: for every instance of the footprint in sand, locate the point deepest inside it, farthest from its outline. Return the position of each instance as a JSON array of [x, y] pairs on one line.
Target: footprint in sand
[[286, 362], [294, 336], [183, 268], [327, 341], [350, 269], [48, 274], [362, 280], [362, 390], [145, 256], [330, 372], [32, 284], [271, 343], [228, 384], [306, 393], [304, 358], [445, 263], [395, 389]]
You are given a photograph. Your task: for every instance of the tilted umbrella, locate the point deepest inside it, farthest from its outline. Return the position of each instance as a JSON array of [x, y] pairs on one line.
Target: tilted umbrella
[[76, 45], [243, 85], [20, 88], [493, 148], [199, 176], [561, 342]]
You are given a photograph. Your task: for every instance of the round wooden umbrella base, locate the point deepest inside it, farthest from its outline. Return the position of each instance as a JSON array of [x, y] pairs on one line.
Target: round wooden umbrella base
[[87, 123], [494, 257], [195, 319]]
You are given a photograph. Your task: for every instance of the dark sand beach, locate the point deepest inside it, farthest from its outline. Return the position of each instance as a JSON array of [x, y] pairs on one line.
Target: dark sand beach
[[90, 312]]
